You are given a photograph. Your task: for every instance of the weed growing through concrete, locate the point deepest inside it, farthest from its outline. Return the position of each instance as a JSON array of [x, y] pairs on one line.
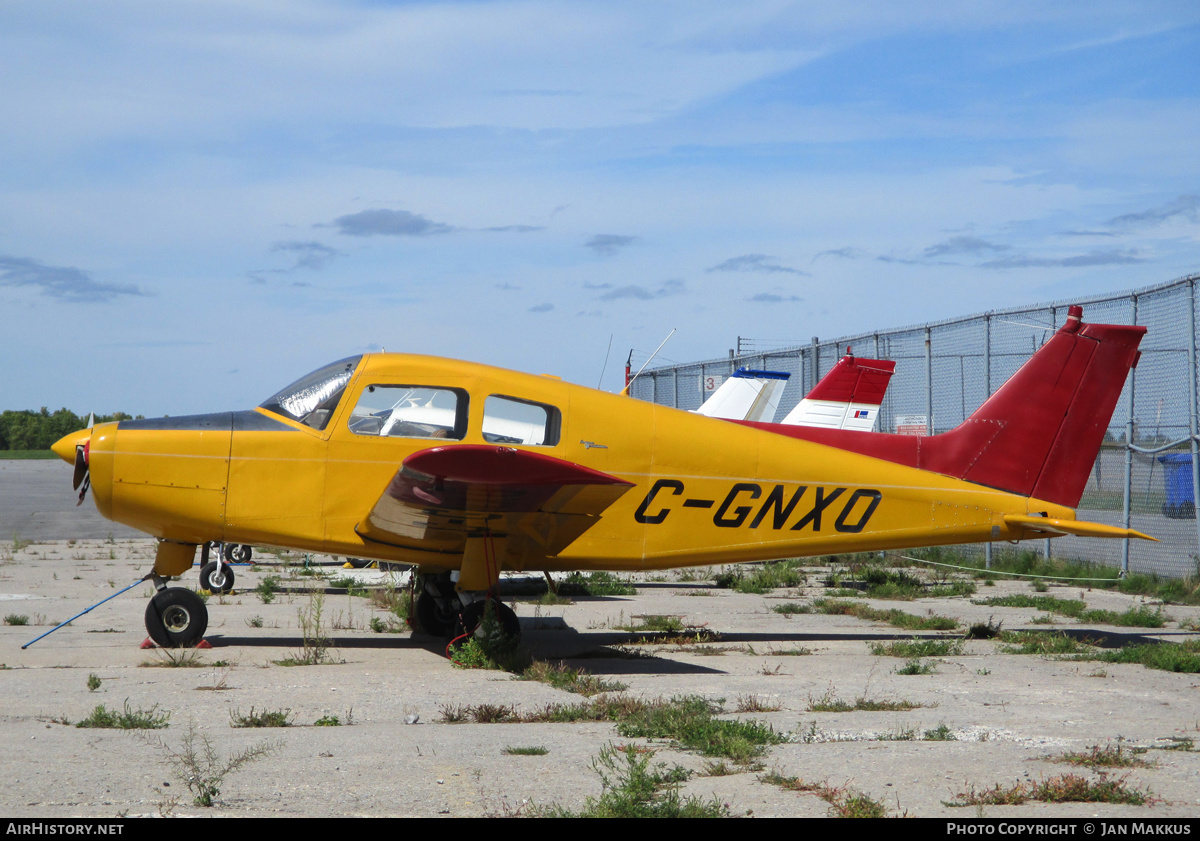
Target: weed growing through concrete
[[941, 733], [843, 802], [531, 750], [331, 720], [261, 718], [1183, 657], [16, 619], [636, 787], [1109, 756], [197, 764], [596, 584], [1041, 643], [691, 721], [128, 719], [175, 658], [830, 703], [1065, 788], [267, 588], [791, 608], [755, 704], [916, 666], [899, 618], [918, 648], [315, 645], [561, 676]]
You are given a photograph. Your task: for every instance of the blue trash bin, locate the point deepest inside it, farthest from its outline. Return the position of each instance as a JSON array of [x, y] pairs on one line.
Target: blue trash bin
[[1177, 481]]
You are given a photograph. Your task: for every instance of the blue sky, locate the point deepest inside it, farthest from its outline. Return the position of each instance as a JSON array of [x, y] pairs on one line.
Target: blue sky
[[203, 201]]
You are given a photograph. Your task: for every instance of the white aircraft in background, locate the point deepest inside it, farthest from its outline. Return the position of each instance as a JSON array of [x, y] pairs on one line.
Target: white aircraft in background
[[848, 397]]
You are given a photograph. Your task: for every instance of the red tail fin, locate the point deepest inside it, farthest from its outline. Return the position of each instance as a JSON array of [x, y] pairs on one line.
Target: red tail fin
[[854, 380], [1038, 435]]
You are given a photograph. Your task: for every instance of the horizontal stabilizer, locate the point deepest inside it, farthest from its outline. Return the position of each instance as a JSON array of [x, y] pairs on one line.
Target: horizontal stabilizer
[[1082, 528]]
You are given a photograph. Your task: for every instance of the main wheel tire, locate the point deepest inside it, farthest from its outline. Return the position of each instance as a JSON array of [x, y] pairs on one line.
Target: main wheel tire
[[238, 553], [216, 578], [176, 618], [471, 616], [432, 618]]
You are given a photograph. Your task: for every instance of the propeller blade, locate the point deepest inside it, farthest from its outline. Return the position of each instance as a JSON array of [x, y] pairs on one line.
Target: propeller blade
[[81, 467]]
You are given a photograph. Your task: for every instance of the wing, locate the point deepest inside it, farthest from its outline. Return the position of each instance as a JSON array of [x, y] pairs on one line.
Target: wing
[[441, 496]]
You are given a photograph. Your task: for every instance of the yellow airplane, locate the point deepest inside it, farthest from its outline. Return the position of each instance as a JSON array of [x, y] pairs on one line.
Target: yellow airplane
[[466, 470]]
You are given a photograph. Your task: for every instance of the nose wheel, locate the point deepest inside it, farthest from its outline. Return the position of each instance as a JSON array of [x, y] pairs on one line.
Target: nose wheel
[[216, 577], [176, 618]]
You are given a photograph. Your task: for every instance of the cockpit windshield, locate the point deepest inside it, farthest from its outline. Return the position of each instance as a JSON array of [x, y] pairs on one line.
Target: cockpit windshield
[[312, 399]]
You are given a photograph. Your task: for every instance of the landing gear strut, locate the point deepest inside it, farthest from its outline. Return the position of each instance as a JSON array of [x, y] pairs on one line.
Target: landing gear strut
[[443, 611]]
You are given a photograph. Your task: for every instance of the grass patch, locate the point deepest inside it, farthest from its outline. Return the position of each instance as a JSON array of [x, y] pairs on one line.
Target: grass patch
[[531, 750], [1064, 788], [843, 802], [691, 722], [262, 718], [562, 677], [637, 787], [941, 733], [267, 588], [918, 648], [916, 666], [1181, 657], [898, 618], [128, 719], [1135, 617], [791, 608], [16, 619], [829, 703], [1109, 756], [762, 578], [1041, 643], [596, 584]]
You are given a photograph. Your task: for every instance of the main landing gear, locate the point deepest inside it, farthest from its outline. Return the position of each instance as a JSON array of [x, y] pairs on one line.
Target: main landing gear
[[175, 617], [443, 611]]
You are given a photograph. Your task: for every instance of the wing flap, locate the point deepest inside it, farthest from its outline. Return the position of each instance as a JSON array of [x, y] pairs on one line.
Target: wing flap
[[441, 496]]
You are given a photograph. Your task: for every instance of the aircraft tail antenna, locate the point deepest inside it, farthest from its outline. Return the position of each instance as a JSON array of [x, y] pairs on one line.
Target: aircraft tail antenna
[[604, 367], [651, 359]]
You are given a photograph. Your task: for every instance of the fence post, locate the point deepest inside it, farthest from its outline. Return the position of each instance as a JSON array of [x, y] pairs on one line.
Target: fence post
[[929, 430], [987, 392], [1054, 328], [1127, 506], [1192, 398], [815, 372]]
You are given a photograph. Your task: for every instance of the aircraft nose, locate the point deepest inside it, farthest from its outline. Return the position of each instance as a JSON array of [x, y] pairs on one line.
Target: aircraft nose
[[64, 447]]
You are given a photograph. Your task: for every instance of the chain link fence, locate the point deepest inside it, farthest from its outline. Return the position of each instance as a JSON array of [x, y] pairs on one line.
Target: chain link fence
[[1145, 475]]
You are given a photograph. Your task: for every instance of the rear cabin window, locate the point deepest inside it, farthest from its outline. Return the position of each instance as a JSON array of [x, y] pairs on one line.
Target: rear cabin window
[[507, 420], [409, 411]]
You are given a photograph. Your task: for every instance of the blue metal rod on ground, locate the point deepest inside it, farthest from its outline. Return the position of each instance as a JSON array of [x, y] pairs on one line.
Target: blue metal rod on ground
[[89, 610]]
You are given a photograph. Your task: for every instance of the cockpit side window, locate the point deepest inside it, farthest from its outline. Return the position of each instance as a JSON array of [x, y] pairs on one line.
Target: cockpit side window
[[510, 420], [311, 400], [410, 411]]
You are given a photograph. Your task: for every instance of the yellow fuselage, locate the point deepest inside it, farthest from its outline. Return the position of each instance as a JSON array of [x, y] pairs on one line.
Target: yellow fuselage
[[704, 490]]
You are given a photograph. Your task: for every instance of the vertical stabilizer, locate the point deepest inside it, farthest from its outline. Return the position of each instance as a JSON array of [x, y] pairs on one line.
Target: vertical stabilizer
[[848, 397], [1038, 435]]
